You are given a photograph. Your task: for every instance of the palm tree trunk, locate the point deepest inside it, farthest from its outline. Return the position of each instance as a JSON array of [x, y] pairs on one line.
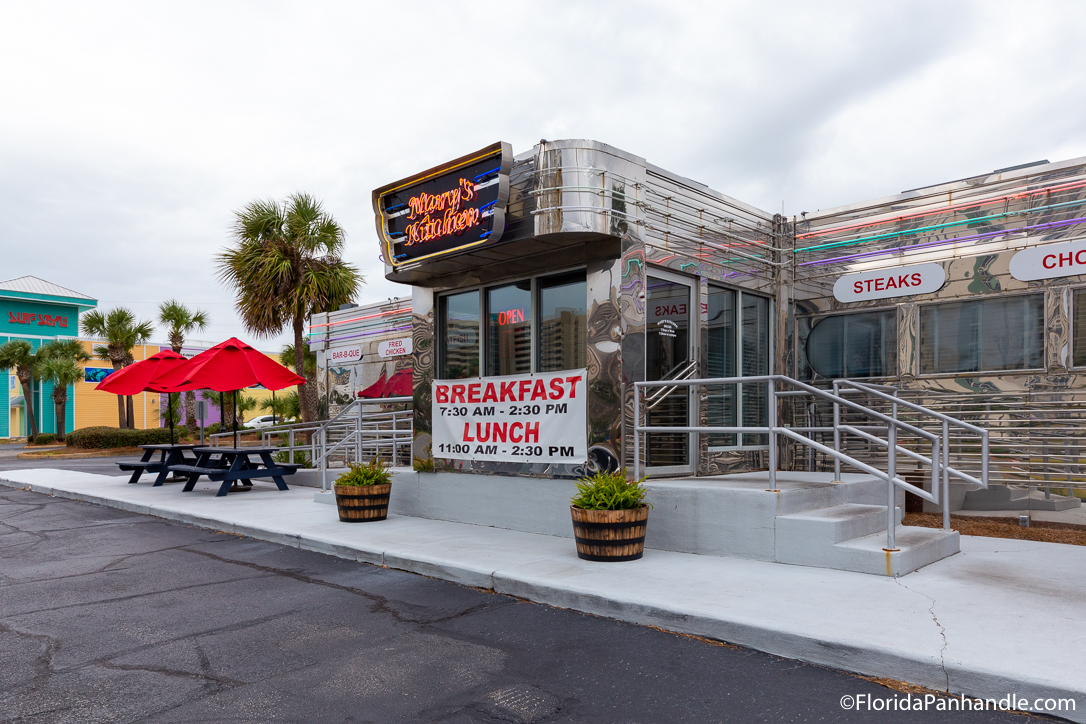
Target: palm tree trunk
[[307, 397], [122, 419], [190, 413], [28, 400], [59, 407], [131, 413]]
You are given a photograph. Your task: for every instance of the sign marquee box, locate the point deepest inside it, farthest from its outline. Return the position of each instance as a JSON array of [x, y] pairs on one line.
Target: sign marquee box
[[447, 209], [899, 281], [394, 348], [539, 418], [345, 354], [1049, 261]]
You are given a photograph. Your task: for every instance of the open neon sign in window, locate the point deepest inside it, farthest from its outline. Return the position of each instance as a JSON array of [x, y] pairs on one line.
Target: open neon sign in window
[[511, 316]]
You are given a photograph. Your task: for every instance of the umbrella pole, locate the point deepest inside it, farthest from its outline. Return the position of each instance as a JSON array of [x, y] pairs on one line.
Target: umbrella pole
[[273, 408], [235, 402], [222, 413], [169, 408]]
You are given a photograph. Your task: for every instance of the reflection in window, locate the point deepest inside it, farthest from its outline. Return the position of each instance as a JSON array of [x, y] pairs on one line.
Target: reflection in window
[[509, 331], [720, 362], [755, 347], [460, 329], [1078, 322], [854, 345], [563, 322], [990, 334]]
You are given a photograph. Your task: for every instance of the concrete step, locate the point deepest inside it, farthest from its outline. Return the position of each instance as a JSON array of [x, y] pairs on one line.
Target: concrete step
[[834, 524], [916, 548]]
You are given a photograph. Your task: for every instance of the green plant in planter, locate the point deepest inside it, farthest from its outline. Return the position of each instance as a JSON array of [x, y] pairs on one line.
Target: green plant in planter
[[376, 473], [609, 491]]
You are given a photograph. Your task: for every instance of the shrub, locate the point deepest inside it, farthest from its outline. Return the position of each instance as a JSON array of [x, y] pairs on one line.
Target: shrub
[[300, 457], [609, 491], [96, 438], [376, 473], [423, 465], [45, 438]]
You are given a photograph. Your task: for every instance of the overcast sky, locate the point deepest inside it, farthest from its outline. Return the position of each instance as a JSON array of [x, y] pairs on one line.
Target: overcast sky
[[130, 133]]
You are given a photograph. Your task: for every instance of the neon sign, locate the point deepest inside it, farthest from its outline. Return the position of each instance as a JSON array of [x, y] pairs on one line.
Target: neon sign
[[512, 316], [44, 320], [448, 209]]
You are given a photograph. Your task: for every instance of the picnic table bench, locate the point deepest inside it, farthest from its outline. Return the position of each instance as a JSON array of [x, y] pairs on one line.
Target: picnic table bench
[[234, 465], [171, 455]]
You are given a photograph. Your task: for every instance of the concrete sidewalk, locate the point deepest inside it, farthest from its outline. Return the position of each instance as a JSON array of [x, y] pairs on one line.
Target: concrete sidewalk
[[1002, 617]]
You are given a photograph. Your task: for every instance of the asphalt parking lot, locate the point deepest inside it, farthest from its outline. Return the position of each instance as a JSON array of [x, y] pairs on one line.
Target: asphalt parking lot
[[109, 616]]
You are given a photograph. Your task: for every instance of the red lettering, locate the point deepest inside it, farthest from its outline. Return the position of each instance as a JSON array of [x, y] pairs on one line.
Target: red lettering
[[1078, 256], [539, 391], [507, 392], [556, 389], [467, 428], [479, 432], [573, 386], [457, 393], [512, 429], [903, 280], [878, 285], [12, 319], [916, 279], [1044, 262], [1068, 256], [891, 283], [857, 288], [489, 395], [499, 431], [531, 432], [64, 322], [522, 390], [441, 394], [473, 392], [867, 283]]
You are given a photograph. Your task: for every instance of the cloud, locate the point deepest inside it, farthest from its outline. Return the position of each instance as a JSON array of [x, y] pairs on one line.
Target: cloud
[[131, 131]]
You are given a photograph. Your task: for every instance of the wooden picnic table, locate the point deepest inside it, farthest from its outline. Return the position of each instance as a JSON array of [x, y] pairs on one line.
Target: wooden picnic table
[[170, 455], [230, 465]]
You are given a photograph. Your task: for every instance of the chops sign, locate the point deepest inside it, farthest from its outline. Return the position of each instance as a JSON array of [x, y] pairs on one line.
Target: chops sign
[[538, 418], [447, 209], [886, 283], [1049, 261], [44, 320]]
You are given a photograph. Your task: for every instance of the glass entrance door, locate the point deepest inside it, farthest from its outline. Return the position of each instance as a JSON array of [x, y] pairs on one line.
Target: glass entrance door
[[669, 354]]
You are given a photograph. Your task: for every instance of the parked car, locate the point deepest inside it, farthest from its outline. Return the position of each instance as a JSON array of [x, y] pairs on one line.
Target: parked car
[[263, 421]]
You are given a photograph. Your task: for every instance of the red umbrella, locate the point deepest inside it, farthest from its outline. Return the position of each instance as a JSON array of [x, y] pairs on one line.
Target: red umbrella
[[399, 385], [228, 366], [136, 378], [377, 389]]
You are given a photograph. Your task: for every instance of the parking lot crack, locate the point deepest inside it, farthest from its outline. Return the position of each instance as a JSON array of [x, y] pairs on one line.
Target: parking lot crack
[[43, 664], [942, 630]]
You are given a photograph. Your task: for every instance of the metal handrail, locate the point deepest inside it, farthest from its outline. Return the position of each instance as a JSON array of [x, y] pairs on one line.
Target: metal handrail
[[678, 372], [938, 462]]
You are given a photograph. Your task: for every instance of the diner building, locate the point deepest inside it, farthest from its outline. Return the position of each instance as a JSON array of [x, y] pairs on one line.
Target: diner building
[[579, 269]]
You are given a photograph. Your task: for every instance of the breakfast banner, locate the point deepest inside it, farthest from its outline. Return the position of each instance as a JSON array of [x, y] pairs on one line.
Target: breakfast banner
[[540, 418]]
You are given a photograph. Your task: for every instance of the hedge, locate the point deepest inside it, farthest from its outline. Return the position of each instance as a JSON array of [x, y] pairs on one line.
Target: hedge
[[107, 437], [45, 438]]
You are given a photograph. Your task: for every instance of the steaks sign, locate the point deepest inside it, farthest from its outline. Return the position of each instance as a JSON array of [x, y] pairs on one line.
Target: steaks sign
[[886, 283], [539, 418]]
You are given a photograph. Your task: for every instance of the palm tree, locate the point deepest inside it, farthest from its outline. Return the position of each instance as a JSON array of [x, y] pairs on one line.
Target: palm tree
[[286, 266], [59, 363], [119, 328], [180, 321], [19, 353]]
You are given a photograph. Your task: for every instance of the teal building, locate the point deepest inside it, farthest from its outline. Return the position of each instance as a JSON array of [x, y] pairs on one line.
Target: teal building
[[37, 311]]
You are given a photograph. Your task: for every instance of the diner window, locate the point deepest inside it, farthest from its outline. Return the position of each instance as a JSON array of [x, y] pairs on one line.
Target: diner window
[[460, 335], [854, 345], [509, 330], [990, 334], [1078, 327], [736, 345], [563, 322]]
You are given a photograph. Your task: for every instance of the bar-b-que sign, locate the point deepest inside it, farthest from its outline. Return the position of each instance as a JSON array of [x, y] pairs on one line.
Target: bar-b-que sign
[[537, 418], [446, 209]]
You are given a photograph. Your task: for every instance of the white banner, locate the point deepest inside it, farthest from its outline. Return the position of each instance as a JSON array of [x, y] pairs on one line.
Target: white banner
[[1049, 261], [345, 354], [898, 281], [541, 418], [394, 348]]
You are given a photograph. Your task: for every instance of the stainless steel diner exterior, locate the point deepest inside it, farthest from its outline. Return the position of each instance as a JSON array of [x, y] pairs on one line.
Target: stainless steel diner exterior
[[746, 292]]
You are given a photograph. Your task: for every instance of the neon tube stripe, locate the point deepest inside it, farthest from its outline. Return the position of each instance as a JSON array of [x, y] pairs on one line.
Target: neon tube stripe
[[358, 319]]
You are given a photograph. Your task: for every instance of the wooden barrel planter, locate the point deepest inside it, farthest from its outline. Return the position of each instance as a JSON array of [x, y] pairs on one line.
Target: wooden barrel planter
[[610, 535], [362, 503]]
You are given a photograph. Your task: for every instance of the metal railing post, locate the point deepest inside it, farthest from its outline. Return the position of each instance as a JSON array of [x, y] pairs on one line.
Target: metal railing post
[[771, 417], [946, 475], [836, 433], [636, 434], [891, 472], [324, 459]]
